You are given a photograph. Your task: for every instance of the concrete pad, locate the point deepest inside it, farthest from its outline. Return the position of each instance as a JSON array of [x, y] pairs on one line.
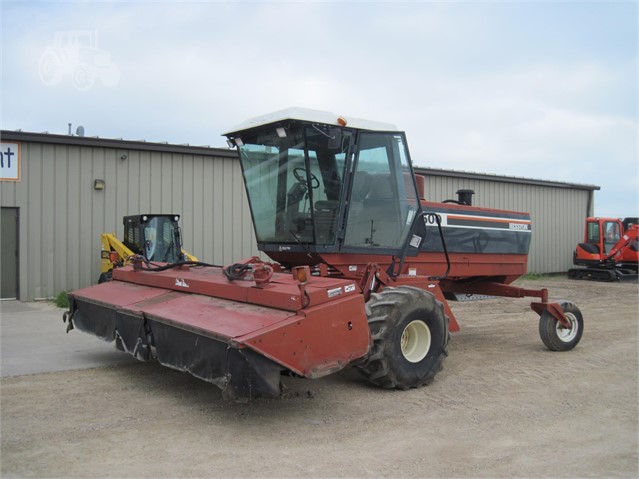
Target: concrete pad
[[33, 339]]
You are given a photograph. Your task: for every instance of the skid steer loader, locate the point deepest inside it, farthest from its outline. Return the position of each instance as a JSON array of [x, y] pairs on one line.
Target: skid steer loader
[[156, 237], [362, 269]]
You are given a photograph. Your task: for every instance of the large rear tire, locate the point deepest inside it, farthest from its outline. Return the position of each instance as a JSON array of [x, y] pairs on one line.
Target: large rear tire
[[554, 335], [410, 338]]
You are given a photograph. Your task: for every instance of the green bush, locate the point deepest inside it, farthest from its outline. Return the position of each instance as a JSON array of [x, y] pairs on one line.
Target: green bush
[[62, 300]]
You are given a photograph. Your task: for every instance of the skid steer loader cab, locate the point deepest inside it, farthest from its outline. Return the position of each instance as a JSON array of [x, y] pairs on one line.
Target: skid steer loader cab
[[156, 237], [318, 184]]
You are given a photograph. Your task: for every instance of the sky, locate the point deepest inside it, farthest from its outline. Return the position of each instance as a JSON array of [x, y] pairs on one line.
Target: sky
[[544, 90]]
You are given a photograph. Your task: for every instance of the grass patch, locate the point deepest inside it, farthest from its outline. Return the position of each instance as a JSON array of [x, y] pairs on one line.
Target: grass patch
[[62, 300], [543, 276], [534, 276]]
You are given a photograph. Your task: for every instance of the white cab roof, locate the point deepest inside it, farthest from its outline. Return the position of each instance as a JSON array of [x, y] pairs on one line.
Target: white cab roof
[[314, 116]]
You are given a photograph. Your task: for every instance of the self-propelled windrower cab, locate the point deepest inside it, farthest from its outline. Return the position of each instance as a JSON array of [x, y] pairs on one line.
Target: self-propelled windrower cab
[[362, 269]]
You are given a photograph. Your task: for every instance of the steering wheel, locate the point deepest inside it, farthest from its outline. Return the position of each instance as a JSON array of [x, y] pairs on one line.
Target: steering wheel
[[300, 175]]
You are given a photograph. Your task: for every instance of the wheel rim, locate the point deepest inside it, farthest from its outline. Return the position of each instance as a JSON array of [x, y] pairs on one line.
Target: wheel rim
[[568, 334], [83, 78], [415, 341]]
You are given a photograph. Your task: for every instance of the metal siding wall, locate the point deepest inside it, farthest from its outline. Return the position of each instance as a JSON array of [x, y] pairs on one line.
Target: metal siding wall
[[60, 237], [217, 212], [62, 216], [558, 214], [33, 219]]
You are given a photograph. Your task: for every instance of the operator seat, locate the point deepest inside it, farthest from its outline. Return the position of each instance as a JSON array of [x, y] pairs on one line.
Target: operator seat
[[326, 211], [361, 186], [381, 207], [326, 220], [376, 210]]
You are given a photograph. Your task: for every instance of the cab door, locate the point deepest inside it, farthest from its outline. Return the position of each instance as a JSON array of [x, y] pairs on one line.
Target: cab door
[[611, 235], [383, 197]]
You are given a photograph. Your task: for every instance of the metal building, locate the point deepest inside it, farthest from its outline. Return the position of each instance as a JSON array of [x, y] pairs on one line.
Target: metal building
[[557, 210], [53, 209]]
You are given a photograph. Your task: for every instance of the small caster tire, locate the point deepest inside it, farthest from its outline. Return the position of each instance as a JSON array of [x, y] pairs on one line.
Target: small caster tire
[[557, 337]]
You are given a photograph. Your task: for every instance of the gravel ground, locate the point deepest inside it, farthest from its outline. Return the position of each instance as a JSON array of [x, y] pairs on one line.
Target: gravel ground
[[503, 406]]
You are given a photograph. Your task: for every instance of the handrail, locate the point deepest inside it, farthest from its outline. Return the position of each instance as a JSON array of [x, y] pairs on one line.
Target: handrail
[[432, 218]]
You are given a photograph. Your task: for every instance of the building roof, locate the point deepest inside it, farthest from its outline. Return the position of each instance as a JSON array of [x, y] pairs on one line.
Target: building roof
[[501, 178], [117, 143]]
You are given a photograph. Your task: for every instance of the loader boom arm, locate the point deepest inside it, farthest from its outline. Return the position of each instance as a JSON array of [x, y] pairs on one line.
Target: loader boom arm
[[189, 256], [110, 243], [629, 237]]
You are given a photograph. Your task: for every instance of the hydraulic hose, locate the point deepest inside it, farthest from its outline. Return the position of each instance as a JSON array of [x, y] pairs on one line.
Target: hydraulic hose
[[151, 267], [237, 271]]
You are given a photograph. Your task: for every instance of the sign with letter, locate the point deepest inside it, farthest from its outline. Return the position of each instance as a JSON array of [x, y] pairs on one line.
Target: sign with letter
[[9, 161]]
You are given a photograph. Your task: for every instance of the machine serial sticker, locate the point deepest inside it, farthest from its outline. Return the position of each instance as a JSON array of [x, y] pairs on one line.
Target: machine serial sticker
[[182, 283], [352, 268], [349, 288], [415, 241], [334, 292]]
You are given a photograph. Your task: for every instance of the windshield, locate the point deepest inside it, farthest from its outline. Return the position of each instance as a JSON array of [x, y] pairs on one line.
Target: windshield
[[294, 180], [159, 240]]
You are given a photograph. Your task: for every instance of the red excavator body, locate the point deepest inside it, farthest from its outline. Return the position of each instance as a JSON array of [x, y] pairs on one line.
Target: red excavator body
[[361, 274], [609, 251]]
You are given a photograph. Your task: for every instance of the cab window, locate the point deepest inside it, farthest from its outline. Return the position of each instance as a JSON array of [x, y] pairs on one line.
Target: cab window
[[383, 195]]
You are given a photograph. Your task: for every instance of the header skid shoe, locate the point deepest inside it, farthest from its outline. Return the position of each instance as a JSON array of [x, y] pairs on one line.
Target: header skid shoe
[[241, 344]]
